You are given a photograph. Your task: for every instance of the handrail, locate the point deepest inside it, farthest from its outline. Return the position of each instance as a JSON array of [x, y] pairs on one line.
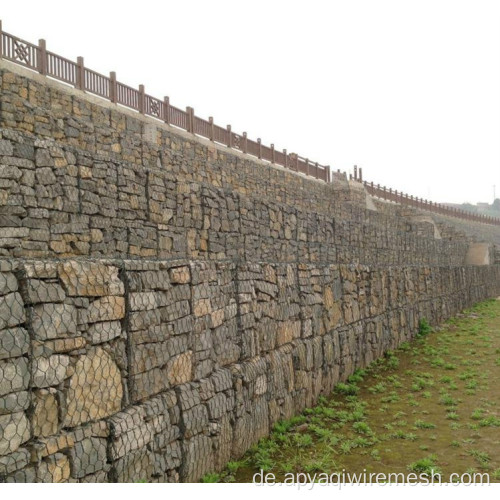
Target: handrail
[[37, 58]]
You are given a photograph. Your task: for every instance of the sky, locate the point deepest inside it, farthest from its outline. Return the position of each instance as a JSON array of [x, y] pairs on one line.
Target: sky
[[408, 90]]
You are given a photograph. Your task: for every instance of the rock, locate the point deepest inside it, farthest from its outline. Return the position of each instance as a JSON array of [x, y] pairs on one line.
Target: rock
[[12, 403], [14, 461], [8, 283], [95, 390], [104, 332], [14, 376], [179, 369], [11, 310], [287, 331], [88, 456], [37, 291], [65, 345], [43, 158], [51, 370], [44, 447], [180, 274], [90, 279], [134, 467], [106, 309], [14, 431], [51, 321], [14, 342], [202, 307], [54, 469], [143, 301], [45, 414]]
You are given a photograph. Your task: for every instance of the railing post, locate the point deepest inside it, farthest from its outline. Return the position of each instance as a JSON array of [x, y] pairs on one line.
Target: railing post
[[190, 112], [245, 142], [355, 172], [360, 174], [272, 153], [259, 142], [166, 109], [296, 162], [1, 40], [307, 166], [317, 170], [42, 55], [329, 174], [286, 158], [212, 129], [80, 73], [113, 87], [188, 119], [141, 99], [229, 137]]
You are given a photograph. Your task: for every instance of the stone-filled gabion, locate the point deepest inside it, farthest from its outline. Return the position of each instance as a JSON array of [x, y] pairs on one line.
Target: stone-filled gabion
[[165, 370]]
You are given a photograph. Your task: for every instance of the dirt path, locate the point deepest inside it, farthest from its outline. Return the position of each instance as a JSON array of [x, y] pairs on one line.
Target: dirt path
[[432, 404]]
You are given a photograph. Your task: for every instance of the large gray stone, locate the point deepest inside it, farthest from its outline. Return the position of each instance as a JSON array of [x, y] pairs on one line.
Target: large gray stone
[[52, 321], [14, 402], [37, 291], [14, 375], [88, 456], [14, 342], [14, 431], [11, 310], [50, 371]]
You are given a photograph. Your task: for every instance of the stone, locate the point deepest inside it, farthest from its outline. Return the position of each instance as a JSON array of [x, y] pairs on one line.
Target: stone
[[143, 301], [179, 369], [14, 342], [8, 283], [54, 469], [45, 413], [51, 370], [95, 390], [104, 332], [44, 447], [202, 307], [88, 456], [11, 310], [106, 309], [14, 461], [65, 345], [287, 331], [37, 291], [14, 431], [52, 321], [180, 274], [14, 402], [14, 375], [90, 279]]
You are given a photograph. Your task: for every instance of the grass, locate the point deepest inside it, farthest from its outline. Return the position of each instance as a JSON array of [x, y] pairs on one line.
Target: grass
[[430, 407]]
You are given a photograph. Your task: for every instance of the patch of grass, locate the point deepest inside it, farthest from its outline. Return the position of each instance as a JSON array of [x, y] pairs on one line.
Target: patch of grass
[[346, 389], [426, 466], [211, 477], [420, 424], [423, 328]]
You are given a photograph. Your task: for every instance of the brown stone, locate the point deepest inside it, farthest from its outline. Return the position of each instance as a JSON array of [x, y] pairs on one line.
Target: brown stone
[[95, 390], [90, 279], [180, 274], [106, 309], [45, 414], [179, 369]]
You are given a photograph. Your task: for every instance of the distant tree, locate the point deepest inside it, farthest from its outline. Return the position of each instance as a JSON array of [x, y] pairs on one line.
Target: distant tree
[[469, 207], [496, 205]]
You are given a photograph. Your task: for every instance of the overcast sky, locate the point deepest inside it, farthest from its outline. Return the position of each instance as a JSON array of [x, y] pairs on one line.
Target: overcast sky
[[408, 90]]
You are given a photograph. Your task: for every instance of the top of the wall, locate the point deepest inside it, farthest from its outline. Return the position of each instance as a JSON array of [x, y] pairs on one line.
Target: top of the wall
[[38, 58]]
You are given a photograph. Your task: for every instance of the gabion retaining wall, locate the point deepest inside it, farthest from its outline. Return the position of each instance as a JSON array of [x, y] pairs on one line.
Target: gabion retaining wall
[[165, 370]]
